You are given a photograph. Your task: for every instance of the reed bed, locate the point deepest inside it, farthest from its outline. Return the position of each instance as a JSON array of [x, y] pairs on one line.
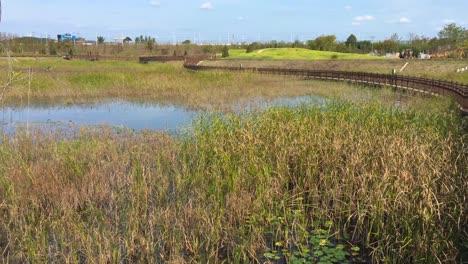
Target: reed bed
[[56, 82], [337, 184]]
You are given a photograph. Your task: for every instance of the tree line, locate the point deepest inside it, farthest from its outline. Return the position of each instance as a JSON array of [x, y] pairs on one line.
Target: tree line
[[449, 38]]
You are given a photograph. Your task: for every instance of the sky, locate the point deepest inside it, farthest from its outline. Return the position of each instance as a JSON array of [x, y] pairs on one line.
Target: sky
[[231, 20]]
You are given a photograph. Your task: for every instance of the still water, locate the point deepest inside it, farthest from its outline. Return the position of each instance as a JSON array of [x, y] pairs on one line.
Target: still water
[[135, 116]]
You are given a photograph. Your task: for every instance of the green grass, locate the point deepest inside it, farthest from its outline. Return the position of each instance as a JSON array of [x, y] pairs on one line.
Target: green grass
[[439, 69], [59, 63], [344, 182], [81, 82], [296, 54], [348, 182]]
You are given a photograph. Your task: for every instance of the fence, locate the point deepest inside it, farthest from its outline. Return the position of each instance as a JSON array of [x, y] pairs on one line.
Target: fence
[[187, 59], [458, 91], [97, 57]]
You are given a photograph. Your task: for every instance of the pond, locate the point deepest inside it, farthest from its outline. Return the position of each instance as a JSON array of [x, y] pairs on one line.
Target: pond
[[124, 114]]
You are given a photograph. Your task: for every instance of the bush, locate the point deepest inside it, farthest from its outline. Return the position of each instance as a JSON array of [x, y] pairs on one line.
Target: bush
[[252, 47], [225, 52]]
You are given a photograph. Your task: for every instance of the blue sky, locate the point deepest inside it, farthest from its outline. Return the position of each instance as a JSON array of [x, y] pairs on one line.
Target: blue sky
[[234, 20]]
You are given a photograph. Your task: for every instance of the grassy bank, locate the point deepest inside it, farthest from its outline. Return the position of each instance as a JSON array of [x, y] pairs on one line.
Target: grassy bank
[[339, 184], [296, 54], [82, 82], [440, 69]]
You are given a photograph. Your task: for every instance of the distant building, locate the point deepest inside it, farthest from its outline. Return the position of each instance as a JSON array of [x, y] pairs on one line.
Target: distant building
[[90, 43], [122, 40], [80, 40], [66, 37]]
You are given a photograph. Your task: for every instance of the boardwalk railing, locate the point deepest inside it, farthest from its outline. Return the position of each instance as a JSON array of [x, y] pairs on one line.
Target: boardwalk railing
[[186, 59], [97, 57], [458, 91], [147, 59]]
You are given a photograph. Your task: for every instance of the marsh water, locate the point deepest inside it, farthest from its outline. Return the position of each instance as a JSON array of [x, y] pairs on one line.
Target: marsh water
[[124, 114]]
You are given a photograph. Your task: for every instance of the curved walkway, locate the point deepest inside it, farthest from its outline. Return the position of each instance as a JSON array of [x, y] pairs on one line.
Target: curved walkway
[[457, 91]]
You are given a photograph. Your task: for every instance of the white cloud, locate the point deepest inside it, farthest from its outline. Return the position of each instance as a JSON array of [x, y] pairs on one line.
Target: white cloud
[[405, 20], [240, 18], [364, 18], [348, 8], [448, 21], [155, 3], [207, 6], [359, 20]]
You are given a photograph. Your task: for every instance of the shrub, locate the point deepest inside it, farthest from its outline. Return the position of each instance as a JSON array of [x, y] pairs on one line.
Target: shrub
[[225, 52]]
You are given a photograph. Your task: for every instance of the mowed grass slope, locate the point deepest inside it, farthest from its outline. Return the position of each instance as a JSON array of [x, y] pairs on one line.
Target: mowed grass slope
[[297, 54]]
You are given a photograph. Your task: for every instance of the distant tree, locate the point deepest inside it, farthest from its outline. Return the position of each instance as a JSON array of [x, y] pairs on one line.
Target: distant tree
[[297, 44], [455, 35], [419, 43], [351, 41], [364, 45], [186, 42], [208, 49], [252, 47], [413, 37], [416, 52], [341, 47], [150, 43], [273, 44], [389, 45], [311, 44], [52, 49], [100, 39], [225, 53], [175, 53], [325, 42], [395, 38]]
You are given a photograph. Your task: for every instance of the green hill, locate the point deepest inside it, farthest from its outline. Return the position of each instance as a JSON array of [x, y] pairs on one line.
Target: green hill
[[296, 54]]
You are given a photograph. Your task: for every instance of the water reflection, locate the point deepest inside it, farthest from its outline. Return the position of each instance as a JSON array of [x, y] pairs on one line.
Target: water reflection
[[135, 116]]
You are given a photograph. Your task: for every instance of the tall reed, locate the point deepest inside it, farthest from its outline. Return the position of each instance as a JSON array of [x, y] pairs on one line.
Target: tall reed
[[381, 184]]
